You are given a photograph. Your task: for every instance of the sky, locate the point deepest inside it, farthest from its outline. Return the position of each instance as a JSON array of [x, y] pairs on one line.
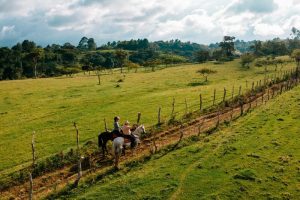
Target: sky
[[201, 21]]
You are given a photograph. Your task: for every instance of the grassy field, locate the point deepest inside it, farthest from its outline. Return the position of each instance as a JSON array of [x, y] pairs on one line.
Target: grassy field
[[255, 157], [50, 106]]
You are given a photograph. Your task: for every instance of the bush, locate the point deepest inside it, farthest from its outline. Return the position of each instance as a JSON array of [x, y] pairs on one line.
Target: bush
[[246, 174]]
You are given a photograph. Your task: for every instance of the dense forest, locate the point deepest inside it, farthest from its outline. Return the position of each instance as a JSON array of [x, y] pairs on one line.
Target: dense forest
[[28, 60]]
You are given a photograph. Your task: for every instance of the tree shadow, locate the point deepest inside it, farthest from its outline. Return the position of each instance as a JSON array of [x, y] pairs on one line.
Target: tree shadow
[[195, 84]]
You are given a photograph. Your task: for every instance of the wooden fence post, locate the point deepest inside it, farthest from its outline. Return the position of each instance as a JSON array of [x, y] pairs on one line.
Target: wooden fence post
[[200, 102], [259, 83], [105, 125], [252, 88], [242, 108], [224, 95], [186, 106], [152, 151], [158, 116], [79, 173], [268, 94], [240, 90], [262, 97], [200, 126], [180, 138], [30, 187], [246, 84], [173, 108], [138, 118], [250, 104], [33, 166], [214, 97], [33, 149]]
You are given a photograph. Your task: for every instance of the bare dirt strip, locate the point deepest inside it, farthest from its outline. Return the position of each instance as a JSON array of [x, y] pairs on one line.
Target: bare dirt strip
[[55, 181]]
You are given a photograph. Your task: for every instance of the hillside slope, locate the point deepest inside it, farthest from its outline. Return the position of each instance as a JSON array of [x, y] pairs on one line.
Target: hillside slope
[[257, 156], [50, 106]]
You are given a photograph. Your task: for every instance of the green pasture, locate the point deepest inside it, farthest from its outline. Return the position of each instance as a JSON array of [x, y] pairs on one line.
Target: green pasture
[[254, 157], [50, 106]]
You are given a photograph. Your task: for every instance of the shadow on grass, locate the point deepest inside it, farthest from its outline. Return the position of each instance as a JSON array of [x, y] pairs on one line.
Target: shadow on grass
[[194, 84]]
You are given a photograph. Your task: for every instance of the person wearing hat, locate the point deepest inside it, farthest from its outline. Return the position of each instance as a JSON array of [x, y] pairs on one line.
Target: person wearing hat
[[127, 133], [126, 128]]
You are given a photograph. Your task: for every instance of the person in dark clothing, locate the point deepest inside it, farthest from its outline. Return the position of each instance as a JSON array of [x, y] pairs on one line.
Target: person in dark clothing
[[117, 127]]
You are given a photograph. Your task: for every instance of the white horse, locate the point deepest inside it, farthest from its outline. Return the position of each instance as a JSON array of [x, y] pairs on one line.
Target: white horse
[[119, 142]]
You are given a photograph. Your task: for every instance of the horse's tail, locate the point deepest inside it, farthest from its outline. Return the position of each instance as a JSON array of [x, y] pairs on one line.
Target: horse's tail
[[100, 140]]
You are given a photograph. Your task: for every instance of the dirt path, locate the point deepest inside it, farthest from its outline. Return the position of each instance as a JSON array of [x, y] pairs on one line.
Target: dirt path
[[51, 182]]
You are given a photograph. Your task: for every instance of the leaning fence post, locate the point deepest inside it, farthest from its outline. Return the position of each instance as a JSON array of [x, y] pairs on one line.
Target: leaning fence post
[[214, 97], [138, 118], [79, 174]]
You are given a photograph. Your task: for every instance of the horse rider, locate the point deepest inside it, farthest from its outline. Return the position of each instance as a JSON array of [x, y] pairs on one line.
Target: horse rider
[[126, 129], [123, 131], [117, 127]]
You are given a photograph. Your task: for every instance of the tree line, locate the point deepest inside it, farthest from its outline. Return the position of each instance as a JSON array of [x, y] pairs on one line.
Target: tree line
[[28, 60]]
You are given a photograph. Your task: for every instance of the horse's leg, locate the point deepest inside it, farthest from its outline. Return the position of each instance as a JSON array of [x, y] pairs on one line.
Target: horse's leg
[[104, 147]]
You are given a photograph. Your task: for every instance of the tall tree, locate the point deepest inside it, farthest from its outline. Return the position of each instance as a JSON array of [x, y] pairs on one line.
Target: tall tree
[[83, 43], [36, 55], [227, 46], [91, 44], [121, 57]]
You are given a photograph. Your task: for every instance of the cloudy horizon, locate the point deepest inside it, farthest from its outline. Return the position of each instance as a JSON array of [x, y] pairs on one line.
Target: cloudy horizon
[[201, 21]]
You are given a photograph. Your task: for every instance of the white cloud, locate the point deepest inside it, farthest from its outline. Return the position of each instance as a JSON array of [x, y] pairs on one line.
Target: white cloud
[[268, 30], [6, 31], [59, 21]]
